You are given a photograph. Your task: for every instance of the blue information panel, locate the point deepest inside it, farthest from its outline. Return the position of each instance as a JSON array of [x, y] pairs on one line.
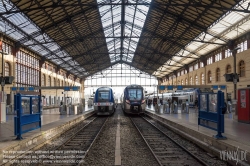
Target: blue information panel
[[170, 87], [222, 87], [210, 112], [75, 88], [215, 87], [13, 88], [31, 88], [21, 88], [67, 88], [161, 87], [31, 119], [179, 87]]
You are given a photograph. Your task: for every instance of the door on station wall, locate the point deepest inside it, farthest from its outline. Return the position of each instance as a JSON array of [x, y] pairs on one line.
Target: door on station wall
[[229, 96]]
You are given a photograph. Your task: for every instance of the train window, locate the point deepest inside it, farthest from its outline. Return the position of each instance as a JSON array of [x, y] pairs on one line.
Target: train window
[[135, 94], [103, 95]]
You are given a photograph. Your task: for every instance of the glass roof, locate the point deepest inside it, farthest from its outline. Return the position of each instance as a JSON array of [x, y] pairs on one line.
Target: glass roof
[[25, 28], [230, 26], [111, 16]]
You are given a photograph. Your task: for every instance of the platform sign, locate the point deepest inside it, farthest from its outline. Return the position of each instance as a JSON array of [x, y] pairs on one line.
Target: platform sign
[[21, 88], [215, 87], [31, 88], [170, 87], [222, 87], [66, 88], [179, 87], [75, 88], [161, 87], [13, 88]]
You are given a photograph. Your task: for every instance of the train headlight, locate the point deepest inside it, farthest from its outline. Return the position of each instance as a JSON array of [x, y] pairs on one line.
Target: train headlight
[[143, 101], [127, 101]]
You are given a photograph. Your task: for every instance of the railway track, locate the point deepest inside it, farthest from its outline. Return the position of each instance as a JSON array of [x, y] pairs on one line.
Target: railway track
[[165, 150], [74, 150]]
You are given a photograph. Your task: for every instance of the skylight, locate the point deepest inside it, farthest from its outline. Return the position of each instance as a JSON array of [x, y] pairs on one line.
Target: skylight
[[223, 28], [25, 28], [111, 16]]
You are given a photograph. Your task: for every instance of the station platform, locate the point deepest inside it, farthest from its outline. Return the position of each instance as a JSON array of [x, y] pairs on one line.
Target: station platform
[[52, 125], [186, 124]]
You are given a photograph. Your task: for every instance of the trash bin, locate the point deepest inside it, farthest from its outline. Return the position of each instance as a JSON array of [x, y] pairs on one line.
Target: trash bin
[[229, 106]]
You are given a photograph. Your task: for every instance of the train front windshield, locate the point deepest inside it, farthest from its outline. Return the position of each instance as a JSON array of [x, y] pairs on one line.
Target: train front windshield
[[135, 94], [103, 96]]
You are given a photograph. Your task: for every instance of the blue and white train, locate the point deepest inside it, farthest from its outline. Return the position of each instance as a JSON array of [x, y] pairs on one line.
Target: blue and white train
[[104, 102], [133, 99], [180, 96]]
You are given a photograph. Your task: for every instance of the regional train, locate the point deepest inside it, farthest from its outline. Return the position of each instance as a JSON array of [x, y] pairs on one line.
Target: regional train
[[104, 102], [133, 99], [180, 96]]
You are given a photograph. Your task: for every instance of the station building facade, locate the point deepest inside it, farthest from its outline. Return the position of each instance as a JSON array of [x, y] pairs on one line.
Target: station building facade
[[30, 70], [210, 69]]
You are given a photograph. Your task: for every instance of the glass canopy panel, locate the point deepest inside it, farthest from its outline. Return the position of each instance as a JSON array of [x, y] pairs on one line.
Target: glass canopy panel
[[223, 28], [112, 19], [26, 27]]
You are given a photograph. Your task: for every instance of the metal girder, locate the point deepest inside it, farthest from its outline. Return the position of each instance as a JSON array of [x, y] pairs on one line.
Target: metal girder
[[169, 4], [187, 21], [122, 26], [24, 33]]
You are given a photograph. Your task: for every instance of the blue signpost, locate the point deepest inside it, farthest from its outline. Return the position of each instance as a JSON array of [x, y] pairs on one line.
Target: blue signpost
[[210, 112], [31, 120]]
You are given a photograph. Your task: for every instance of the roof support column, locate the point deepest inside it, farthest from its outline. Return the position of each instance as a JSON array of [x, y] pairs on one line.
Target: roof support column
[[122, 27]]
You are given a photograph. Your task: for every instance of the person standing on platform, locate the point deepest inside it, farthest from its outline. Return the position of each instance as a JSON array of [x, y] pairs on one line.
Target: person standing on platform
[[158, 104], [196, 105]]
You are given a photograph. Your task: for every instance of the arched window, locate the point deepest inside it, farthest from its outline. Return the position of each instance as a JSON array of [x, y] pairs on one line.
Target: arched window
[[242, 68], [228, 69], [49, 81], [182, 82], [43, 80], [54, 82], [202, 79], [196, 80], [191, 81], [218, 74], [209, 76], [62, 83], [58, 82], [186, 81], [7, 69]]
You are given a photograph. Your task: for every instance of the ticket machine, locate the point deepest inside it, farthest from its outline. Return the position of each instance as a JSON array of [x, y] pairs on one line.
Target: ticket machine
[[244, 105]]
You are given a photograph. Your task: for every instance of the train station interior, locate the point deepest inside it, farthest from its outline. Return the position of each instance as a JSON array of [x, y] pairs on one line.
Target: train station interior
[[125, 82]]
